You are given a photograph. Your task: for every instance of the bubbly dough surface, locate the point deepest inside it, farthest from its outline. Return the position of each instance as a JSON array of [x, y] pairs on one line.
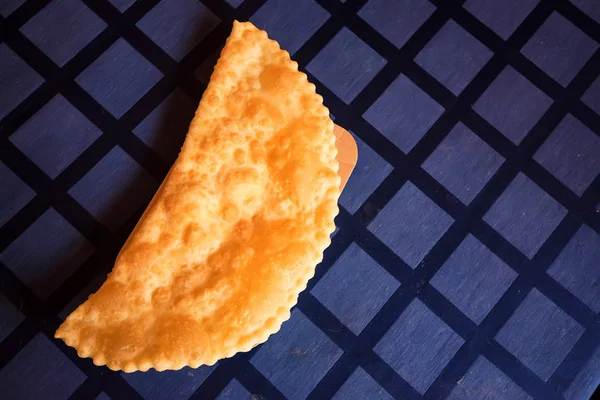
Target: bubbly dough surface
[[236, 229]]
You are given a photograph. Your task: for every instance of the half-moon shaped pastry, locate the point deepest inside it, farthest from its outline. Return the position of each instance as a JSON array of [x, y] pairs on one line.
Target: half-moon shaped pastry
[[236, 229]]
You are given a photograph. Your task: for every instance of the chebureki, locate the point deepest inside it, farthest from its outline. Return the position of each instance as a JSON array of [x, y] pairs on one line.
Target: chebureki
[[236, 229]]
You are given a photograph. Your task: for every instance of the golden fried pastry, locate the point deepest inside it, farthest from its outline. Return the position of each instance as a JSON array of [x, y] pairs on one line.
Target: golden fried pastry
[[236, 229]]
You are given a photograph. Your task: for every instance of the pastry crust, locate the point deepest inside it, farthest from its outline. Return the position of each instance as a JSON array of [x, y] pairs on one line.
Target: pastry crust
[[236, 229]]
